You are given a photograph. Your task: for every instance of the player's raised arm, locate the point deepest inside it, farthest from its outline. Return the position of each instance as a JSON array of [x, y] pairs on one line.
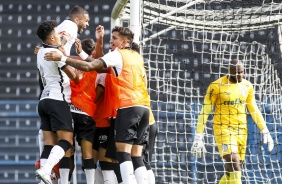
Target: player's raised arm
[[99, 41]]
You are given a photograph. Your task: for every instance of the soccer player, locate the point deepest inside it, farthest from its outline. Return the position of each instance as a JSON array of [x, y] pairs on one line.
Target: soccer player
[[78, 20], [84, 94], [56, 120], [132, 99], [101, 142], [69, 30], [230, 96], [152, 130], [110, 113]]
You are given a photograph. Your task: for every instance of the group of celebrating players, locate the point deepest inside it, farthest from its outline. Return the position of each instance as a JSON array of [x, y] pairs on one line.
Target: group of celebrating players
[[99, 100], [102, 101]]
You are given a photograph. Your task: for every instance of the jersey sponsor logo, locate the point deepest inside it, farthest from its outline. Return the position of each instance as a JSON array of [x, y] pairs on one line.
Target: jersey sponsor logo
[[235, 102], [74, 109]]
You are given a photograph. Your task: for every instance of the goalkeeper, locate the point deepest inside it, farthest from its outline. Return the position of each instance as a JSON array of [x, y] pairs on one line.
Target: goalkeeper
[[230, 95]]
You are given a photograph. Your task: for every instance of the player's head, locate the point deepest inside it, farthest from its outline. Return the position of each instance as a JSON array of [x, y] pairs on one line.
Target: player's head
[[122, 37], [88, 46], [48, 33], [80, 16], [236, 71]]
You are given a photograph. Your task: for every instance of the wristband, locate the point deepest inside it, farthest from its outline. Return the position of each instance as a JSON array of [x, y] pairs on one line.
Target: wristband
[[64, 59], [265, 131], [83, 55]]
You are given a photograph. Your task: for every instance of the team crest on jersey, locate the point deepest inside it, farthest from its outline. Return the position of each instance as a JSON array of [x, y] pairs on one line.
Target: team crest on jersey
[[224, 147], [243, 92]]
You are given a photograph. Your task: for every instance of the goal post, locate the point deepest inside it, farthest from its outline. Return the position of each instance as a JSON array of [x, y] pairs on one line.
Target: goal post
[[133, 19], [186, 45]]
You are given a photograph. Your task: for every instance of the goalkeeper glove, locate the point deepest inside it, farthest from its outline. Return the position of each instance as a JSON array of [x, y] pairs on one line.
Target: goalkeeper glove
[[198, 145], [267, 139]]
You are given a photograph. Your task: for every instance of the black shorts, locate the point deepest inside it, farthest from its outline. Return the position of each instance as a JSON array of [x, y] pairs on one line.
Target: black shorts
[[111, 148], [84, 127], [131, 125], [55, 115], [101, 138]]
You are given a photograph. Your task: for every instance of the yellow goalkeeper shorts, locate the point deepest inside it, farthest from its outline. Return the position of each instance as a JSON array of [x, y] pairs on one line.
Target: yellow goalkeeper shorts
[[231, 140]]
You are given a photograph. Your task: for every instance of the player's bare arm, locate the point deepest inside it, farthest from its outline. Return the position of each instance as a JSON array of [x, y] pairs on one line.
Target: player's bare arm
[[99, 41], [90, 58], [88, 65], [71, 74]]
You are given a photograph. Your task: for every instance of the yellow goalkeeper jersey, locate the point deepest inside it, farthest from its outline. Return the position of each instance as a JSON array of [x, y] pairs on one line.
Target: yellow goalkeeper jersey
[[230, 102]]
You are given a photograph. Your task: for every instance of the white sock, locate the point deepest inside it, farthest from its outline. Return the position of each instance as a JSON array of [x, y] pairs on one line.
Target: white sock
[[98, 176], [89, 174], [64, 175], [109, 177], [40, 141], [42, 162], [140, 175], [55, 181], [59, 181], [55, 156], [127, 173], [151, 177]]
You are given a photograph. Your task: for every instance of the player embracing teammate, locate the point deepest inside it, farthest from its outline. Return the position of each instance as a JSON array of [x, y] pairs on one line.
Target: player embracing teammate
[[131, 102]]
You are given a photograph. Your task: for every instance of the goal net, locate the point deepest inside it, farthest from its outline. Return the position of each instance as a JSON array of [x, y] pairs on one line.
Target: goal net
[[186, 45]]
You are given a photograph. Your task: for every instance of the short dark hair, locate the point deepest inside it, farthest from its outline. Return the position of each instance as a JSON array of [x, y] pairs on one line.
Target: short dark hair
[[88, 45], [135, 47], [45, 29], [77, 11], [125, 32]]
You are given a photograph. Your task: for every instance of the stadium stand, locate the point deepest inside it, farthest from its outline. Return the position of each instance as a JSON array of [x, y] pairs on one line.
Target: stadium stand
[[19, 90]]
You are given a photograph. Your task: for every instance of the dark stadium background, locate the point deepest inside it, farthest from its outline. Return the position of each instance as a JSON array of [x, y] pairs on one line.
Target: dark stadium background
[[19, 90], [173, 162]]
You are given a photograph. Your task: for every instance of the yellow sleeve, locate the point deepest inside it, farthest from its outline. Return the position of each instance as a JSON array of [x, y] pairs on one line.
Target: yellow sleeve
[[209, 101], [254, 111]]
